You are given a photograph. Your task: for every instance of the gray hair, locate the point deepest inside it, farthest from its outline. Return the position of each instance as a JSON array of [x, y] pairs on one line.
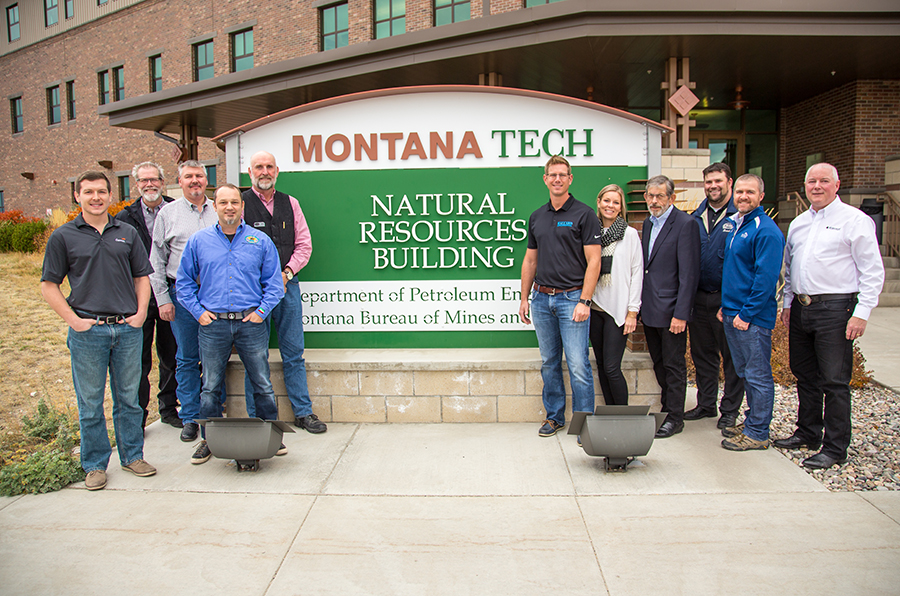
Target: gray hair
[[662, 181], [759, 181], [191, 163], [827, 165], [147, 164]]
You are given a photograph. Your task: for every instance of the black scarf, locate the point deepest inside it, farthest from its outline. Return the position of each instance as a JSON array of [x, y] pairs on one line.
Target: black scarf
[[608, 239]]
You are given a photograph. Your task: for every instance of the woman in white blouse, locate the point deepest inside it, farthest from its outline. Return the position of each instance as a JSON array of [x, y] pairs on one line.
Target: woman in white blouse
[[617, 297]]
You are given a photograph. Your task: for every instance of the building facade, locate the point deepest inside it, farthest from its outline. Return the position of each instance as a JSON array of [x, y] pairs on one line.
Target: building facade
[[105, 84]]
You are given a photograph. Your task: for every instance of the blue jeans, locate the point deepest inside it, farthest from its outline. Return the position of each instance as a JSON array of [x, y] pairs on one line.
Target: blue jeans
[[187, 362], [558, 333], [287, 318], [751, 351], [252, 343], [116, 348]]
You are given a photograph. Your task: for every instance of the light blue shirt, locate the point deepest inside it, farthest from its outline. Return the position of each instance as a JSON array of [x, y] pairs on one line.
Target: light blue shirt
[[658, 223], [233, 275]]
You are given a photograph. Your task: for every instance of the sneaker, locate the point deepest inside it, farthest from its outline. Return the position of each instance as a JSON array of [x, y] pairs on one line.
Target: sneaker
[[281, 450], [189, 432], [578, 440], [733, 431], [95, 480], [202, 454], [310, 423], [549, 428], [140, 467], [744, 443]]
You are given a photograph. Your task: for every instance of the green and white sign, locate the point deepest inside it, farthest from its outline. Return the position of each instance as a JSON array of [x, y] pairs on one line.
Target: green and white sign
[[418, 201]]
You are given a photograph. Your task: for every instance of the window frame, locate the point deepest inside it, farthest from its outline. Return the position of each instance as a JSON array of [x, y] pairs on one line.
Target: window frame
[[450, 7], [123, 185], [104, 91], [211, 65], [70, 100], [391, 20], [10, 24], [233, 38], [17, 117], [118, 76], [51, 7], [68, 8], [54, 110], [335, 35], [152, 62]]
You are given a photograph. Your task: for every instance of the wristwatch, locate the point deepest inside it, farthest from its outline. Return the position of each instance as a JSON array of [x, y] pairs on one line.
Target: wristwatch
[[585, 301], [288, 273]]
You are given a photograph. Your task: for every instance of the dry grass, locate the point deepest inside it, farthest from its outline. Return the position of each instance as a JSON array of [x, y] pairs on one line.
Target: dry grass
[[34, 359]]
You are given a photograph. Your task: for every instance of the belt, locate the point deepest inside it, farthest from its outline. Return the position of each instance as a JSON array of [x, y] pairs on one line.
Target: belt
[[170, 281], [231, 316], [806, 299], [553, 291], [101, 319]]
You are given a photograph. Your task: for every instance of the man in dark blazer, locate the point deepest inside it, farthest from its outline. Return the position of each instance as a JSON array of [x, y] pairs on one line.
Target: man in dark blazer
[[671, 273], [141, 215]]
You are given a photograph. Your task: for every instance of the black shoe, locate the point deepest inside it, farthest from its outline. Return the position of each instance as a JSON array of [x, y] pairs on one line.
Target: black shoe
[[668, 429], [795, 442], [202, 454], [173, 421], [549, 428], [698, 413], [310, 423], [726, 420], [189, 432], [820, 461]]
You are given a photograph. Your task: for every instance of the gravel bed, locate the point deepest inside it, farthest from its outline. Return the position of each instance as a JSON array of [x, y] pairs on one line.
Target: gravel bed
[[873, 459]]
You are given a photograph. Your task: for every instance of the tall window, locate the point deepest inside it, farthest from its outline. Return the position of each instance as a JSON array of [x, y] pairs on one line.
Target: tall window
[[70, 99], [51, 12], [2, 204], [54, 105], [124, 187], [242, 50], [70, 8], [103, 87], [390, 18], [155, 73], [12, 22], [204, 66], [119, 82], [210, 175], [15, 109], [335, 27], [450, 11]]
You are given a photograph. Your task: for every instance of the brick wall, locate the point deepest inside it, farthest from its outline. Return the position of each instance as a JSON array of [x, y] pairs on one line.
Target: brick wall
[[856, 126]]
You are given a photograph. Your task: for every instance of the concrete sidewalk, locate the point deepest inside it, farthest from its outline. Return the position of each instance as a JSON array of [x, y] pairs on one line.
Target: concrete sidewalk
[[880, 345], [450, 509]]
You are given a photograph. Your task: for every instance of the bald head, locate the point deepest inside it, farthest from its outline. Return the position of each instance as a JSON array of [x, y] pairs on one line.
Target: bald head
[[263, 171], [822, 184]]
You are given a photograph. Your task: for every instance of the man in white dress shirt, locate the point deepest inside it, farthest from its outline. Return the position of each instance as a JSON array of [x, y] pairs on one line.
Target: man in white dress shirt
[[833, 276]]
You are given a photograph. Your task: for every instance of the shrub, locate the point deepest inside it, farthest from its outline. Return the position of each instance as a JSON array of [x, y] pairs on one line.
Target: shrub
[[21, 236], [113, 209], [51, 466]]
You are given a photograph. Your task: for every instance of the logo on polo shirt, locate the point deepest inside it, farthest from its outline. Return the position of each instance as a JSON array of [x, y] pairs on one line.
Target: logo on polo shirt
[[252, 240], [564, 224], [122, 239], [727, 226]]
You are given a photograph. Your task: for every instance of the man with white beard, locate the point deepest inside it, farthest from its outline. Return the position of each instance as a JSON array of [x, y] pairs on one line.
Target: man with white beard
[[279, 216], [141, 215]]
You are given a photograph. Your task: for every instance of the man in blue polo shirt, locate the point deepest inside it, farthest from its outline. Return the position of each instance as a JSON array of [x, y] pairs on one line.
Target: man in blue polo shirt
[[229, 279], [560, 271], [108, 270], [753, 255]]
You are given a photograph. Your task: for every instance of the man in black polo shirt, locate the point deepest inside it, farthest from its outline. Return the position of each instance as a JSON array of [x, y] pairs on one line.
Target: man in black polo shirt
[[561, 266], [108, 270]]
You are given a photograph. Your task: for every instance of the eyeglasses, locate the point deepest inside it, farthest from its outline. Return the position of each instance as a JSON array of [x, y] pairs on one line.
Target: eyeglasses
[[655, 196], [149, 180], [555, 176]]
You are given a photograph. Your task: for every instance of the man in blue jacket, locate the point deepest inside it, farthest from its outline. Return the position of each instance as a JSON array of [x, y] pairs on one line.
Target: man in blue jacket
[[753, 256], [229, 279], [706, 331]]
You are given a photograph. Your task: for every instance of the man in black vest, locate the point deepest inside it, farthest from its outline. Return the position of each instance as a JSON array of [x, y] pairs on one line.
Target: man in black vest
[[279, 215], [141, 215]]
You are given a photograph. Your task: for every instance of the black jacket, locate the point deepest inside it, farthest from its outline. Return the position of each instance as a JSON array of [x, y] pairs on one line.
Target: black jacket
[[133, 216]]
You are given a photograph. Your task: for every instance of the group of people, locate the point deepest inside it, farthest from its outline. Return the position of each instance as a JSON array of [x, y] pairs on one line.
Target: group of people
[[588, 278], [204, 276]]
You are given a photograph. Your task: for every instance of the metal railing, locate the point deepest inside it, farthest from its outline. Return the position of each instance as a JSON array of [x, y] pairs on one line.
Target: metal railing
[[802, 203], [890, 232]]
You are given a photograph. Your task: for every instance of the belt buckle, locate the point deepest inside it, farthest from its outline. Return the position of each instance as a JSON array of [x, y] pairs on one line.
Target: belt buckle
[[110, 320], [804, 299], [230, 316], [552, 292]]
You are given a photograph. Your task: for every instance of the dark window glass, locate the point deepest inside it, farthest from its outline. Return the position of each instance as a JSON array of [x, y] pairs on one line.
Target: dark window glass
[[2, 205], [12, 22], [204, 66], [210, 175], [155, 73], [124, 188], [54, 106], [390, 18], [103, 87], [70, 99], [242, 50], [70, 8], [335, 27], [119, 82], [18, 121], [51, 12], [450, 11]]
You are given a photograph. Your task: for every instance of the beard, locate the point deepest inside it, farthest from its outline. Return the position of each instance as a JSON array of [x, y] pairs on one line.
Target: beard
[[264, 183], [151, 196]]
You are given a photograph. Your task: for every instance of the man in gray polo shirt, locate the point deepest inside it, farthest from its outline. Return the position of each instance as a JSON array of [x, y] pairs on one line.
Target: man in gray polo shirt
[[107, 267]]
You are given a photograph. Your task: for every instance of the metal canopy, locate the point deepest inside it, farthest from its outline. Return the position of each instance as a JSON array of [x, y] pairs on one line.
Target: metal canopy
[[778, 58]]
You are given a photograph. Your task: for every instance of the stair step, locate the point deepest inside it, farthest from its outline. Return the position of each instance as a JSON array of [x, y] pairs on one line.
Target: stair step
[[891, 287], [891, 262], [891, 274], [890, 299]]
